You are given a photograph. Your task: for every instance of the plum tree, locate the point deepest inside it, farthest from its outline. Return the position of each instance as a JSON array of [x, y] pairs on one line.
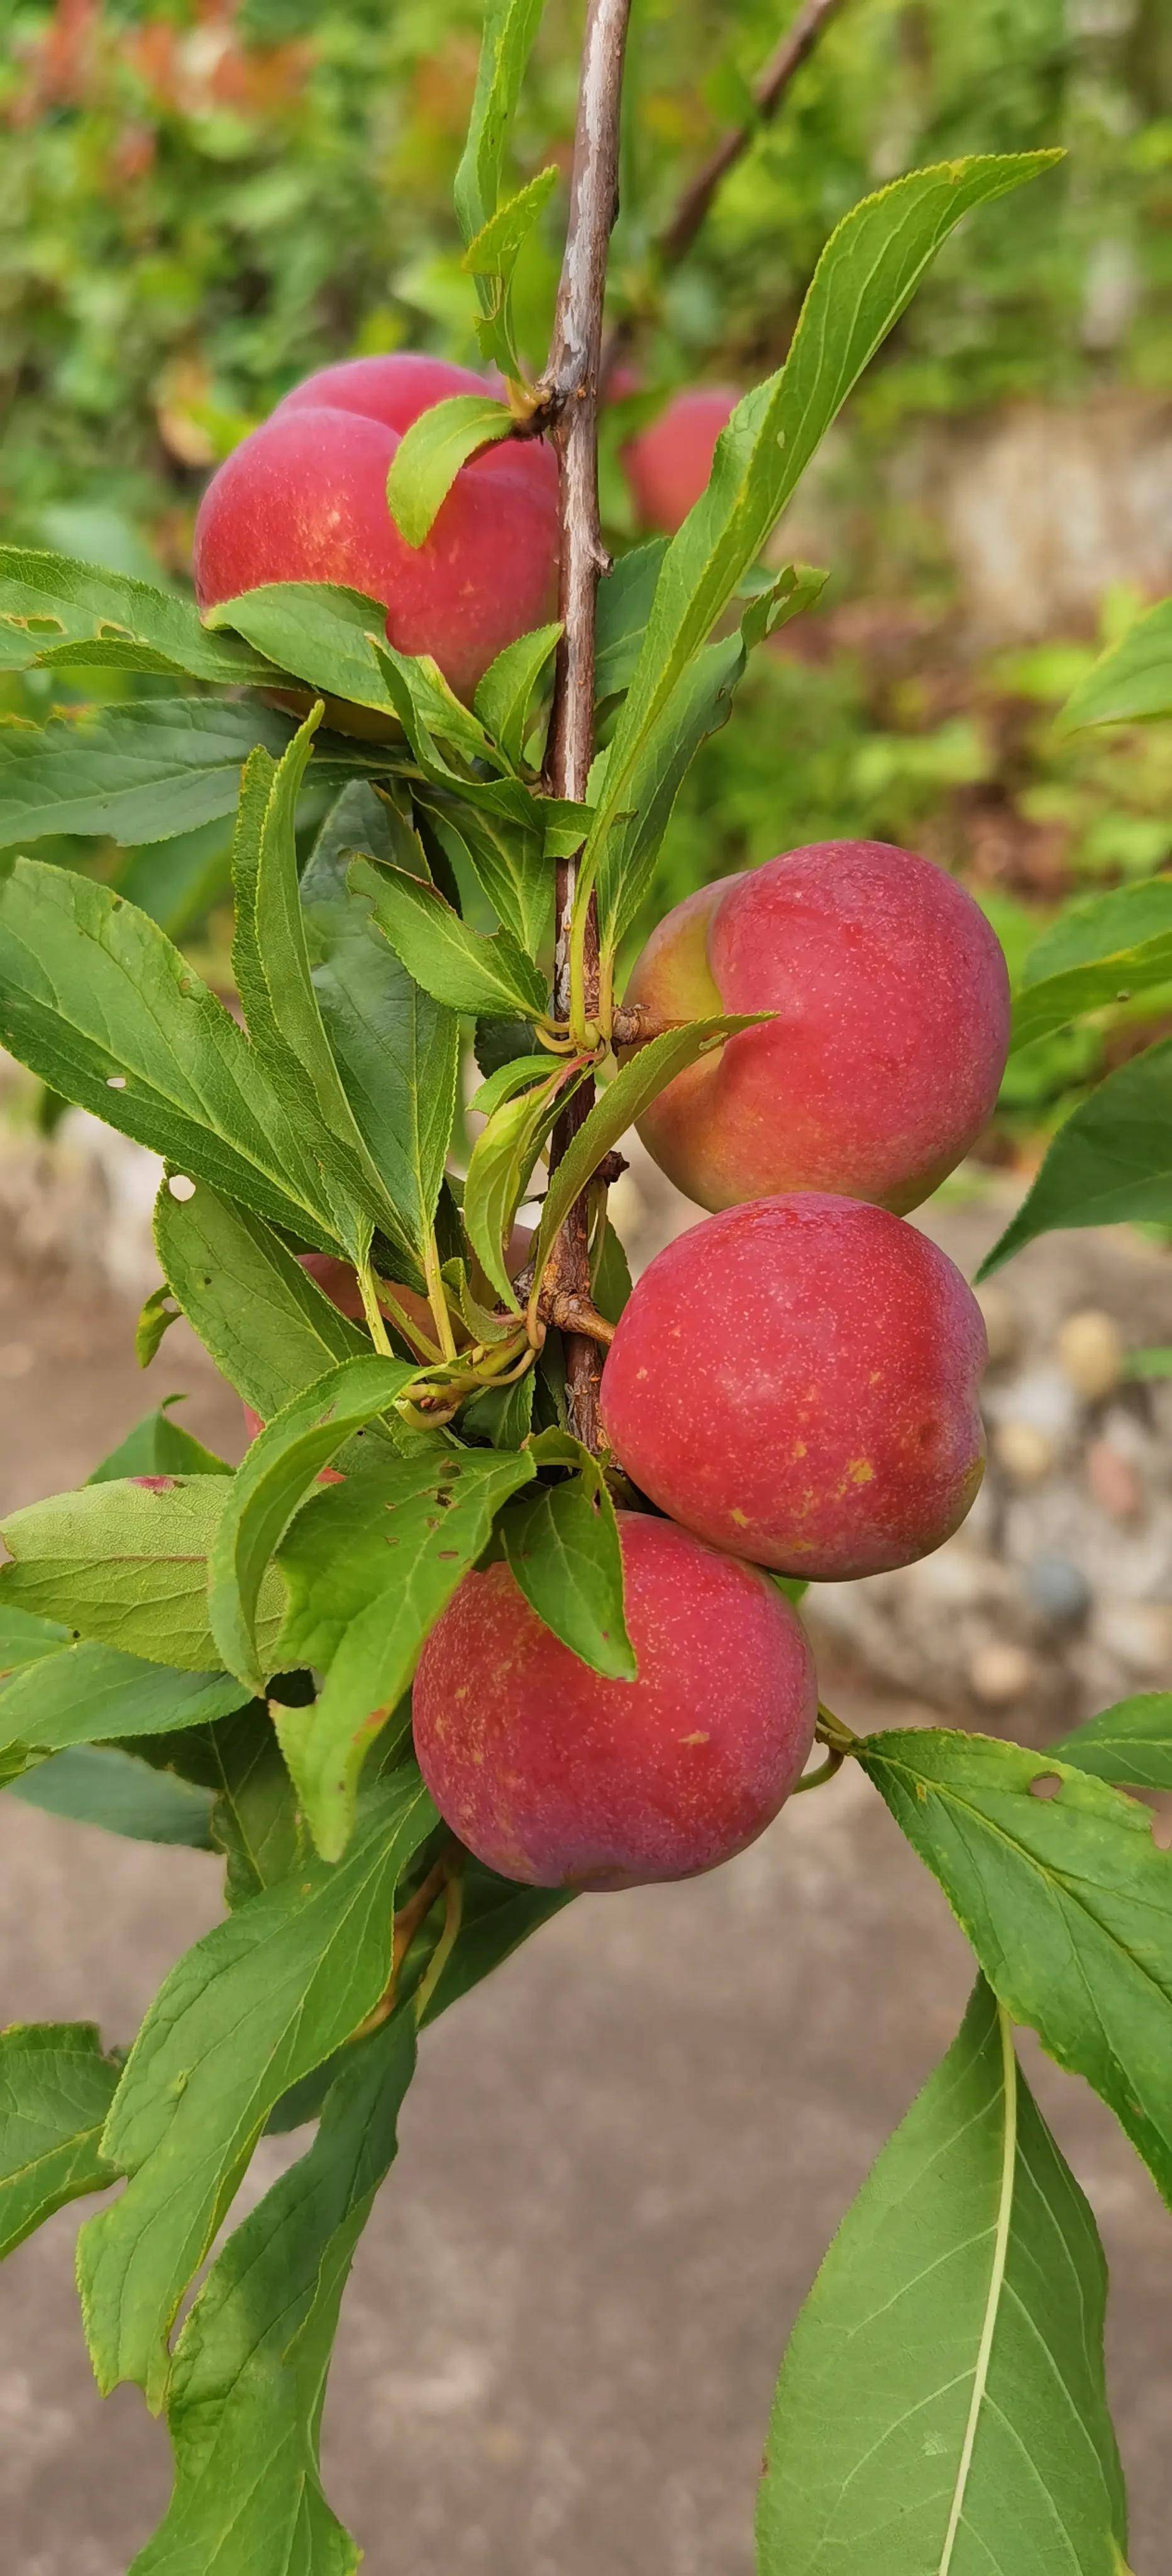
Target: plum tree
[[303, 498], [796, 1381], [668, 464], [561, 1778], [891, 1028]]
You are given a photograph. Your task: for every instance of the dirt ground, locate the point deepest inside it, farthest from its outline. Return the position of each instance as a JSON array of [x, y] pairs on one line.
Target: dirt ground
[[620, 2165]]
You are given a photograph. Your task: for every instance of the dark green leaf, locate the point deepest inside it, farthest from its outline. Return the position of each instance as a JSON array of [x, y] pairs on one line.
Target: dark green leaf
[[645, 1073], [509, 29], [140, 772], [280, 1470], [942, 2403], [159, 1447], [611, 1276], [1095, 954], [1130, 1744], [266, 1323], [245, 2401], [255, 1819], [562, 1543], [450, 961], [179, 881], [501, 1415], [84, 1693], [1110, 1163], [505, 695], [624, 606], [96, 1000], [127, 1564], [251, 2009], [430, 453], [320, 632], [368, 1573], [1067, 1903], [396, 1049], [501, 1163], [54, 612], [1132, 680], [56, 2088], [100, 1785], [491, 258], [497, 829]]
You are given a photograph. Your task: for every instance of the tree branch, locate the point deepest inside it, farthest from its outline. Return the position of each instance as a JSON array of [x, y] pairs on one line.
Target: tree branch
[[797, 43], [569, 395]]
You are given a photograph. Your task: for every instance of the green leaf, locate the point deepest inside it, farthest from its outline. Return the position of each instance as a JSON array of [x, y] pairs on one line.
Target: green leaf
[[320, 632], [255, 1820], [127, 1564], [247, 2383], [497, 829], [84, 1693], [368, 1572], [501, 1163], [562, 1543], [498, 1916], [625, 595], [264, 1998], [56, 2088], [865, 278], [55, 613], [450, 961], [1130, 1744], [637, 1083], [179, 881], [96, 1000], [1097, 953], [491, 258], [942, 2403], [430, 713], [1132, 681], [1067, 1903], [509, 29], [268, 1326], [1109, 1164], [140, 772], [159, 1311], [505, 695], [100, 1785], [280, 1470], [611, 1279], [431, 452], [502, 1416], [25, 1640], [159, 1447], [397, 1050]]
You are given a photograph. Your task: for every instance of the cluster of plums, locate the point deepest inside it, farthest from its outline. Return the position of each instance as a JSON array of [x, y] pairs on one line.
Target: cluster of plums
[[793, 1383]]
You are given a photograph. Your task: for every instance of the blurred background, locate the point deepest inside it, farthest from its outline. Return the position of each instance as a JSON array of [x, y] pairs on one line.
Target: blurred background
[[629, 2153]]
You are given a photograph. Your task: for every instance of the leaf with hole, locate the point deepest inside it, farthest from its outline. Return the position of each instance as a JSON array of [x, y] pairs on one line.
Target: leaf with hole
[[55, 614], [1067, 1903], [942, 2404]]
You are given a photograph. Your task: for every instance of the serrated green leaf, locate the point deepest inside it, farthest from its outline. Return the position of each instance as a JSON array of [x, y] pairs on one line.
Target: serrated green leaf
[[55, 613], [562, 1544], [127, 1565], [94, 1784], [397, 1049], [501, 1164], [255, 1820], [85, 1693], [1132, 681], [1110, 1164], [625, 595], [25, 1640], [509, 29], [637, 1083], [610, 1275], [1130, 1744], [140, 772], [267, 1324], [431, 452], [497, 829], [244, 2408], [1097, 953], [456, 965], [178, 881], [505, 695], [1067, 1903], [318, 631], [277, 1475], [942, 2405], [502, 1416], [56, 2087], [368, 1572], [252, 2008], [96, 1000], [865, 278], [159, 1447]]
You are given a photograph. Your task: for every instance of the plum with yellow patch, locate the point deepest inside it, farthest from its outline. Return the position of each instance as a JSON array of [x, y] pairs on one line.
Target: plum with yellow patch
[[303, 498], [884, 1055], [797, 1380], [560, 1778]]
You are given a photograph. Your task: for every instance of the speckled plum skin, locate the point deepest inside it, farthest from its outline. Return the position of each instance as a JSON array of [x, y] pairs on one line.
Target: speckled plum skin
[[797, 1382], [668, 464], [885, 1057], [561, 1779], [303, 498]]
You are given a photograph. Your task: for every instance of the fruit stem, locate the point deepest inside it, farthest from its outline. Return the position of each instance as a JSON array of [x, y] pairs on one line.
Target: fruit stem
[[570, 393], [372, 1310], [436, 1297], [453, 1917], [833, 1731], [825, 1771]]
